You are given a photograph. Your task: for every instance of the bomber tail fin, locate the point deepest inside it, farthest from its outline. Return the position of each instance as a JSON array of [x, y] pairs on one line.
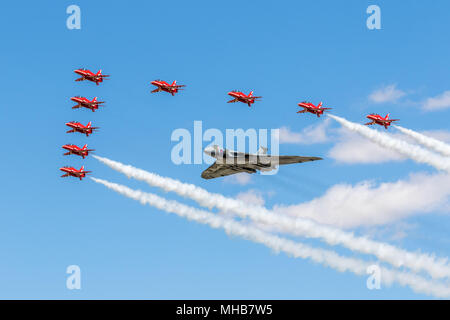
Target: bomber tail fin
[[262, 150]]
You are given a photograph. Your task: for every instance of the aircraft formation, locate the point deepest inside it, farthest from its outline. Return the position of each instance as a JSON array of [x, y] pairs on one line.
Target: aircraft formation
[[228, 162], [75, 126]]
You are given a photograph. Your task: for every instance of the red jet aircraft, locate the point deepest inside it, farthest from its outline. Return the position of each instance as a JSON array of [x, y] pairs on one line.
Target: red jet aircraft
[[242, 97], [73, 149], [164, 86], [377, 119], [311, 108], [83, 102], [78, 127], [70, 171], [89, 75]]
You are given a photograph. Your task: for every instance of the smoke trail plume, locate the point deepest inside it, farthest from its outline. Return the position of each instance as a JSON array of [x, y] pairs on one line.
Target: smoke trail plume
[[429, 142], [437, 268], [414, 152], [295, 249]]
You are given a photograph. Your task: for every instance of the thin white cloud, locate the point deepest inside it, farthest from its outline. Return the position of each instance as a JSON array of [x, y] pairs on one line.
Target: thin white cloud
[[439, 102], [434, 143], [412, 151], [443, 135], [242, 179], [309, 135], [370, 204], [291, 225], [388, 93], [295, 249], [251, 196], [393, 232], [351, 148]]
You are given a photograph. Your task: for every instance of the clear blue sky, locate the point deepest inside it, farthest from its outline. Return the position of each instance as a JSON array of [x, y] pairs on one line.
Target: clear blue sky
[[286, 51]]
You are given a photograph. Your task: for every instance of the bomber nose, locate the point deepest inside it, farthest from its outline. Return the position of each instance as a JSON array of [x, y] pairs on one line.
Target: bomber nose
[[209, 151]]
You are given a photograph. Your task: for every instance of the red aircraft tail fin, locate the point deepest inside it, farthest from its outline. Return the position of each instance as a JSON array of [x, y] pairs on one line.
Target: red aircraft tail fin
[[250, 94], [85, 147], [89, 124], [99, 72], [387, 116], [82, 168], [95, 99], [174, 83], [320, 104]]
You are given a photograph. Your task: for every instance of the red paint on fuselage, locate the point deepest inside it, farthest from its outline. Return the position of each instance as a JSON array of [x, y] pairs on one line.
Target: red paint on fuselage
[[73, 149], [82, 102], [164, 86], [239, 96], [311, 108], [90, 76], [72, 172], [78, 127], [382, 121]]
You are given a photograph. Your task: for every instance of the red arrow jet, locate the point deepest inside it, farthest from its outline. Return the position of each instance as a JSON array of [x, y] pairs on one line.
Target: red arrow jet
[[377, 119], [164, 86], [83, 102], [242, 97], [73, 149], [72, 172], [89, 75], [311, 108], [78, 127]]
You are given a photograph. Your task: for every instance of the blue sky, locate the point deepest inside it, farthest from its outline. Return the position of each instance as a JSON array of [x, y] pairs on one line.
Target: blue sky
[[285, 51]]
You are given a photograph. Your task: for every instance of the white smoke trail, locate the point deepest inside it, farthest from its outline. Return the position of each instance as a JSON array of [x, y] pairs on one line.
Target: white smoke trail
[[429, 142], [414, 152], [437, 268], [295, 249]]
